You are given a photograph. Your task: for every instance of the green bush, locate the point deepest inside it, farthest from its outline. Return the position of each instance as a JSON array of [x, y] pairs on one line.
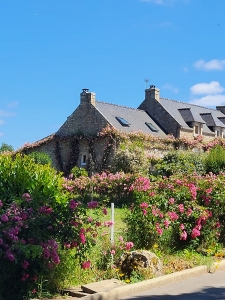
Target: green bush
[[181, 162], [6, 148], [215, 160], [78, 172], [41, 158], [131, 160], [19, 175]]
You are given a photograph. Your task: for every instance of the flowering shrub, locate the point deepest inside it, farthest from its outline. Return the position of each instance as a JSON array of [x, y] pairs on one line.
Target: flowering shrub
[[179, 213], [35, 225]]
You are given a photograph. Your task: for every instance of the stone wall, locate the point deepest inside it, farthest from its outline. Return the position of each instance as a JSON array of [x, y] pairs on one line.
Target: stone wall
[[168, 124]]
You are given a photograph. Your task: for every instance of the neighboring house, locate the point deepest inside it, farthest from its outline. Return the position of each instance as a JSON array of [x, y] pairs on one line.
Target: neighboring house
[[72, 144], [184, 119]]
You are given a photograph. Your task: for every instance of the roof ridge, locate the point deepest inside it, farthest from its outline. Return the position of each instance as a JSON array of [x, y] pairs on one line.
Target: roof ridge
[[189, 104], [119, 105]]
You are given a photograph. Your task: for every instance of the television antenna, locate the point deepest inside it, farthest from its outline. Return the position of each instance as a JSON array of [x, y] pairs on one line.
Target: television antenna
[[146, 80]]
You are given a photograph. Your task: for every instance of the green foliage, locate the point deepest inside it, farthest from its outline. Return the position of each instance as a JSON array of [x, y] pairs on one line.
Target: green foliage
[[215, 160], [41, 158], [130, 160], [181, 162], [78, 172], [6, 148], [20, 175]]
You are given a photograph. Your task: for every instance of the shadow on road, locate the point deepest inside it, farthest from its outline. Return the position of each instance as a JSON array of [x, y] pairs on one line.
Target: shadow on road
[[205, 294]]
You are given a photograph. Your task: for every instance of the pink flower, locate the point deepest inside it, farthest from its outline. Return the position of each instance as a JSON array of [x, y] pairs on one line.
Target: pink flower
[[26, 197], [1, 204], [173, 216], [144, 205], [4, 218], [104, 210], [82, 238], [183, 235], [181, 208], [171, 201], [189, 211], [10, 256], [108, 223], [86, 265], [182, 227], [166, 223], [89, 219], [113, 252], [120, 238], [195, 232], [45, 210], [159, 229], [92, 204], [129, 245], [25, 277], [144, 212], [25, 264], [73, 204]]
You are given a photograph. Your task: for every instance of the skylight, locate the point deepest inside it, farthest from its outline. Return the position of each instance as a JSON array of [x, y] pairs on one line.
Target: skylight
[[151, 127], [123, 121]]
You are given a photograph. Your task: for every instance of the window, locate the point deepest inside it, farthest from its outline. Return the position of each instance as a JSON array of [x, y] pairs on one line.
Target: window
[[217, 133], [151, 127], [196, 129], [123, 121], [83, 159]]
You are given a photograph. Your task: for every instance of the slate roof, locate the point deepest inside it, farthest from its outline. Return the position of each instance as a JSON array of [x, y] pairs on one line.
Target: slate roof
[[186, 112], [135, 117]]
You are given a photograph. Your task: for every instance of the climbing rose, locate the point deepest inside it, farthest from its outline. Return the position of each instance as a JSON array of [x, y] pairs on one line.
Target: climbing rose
[[86, 265]]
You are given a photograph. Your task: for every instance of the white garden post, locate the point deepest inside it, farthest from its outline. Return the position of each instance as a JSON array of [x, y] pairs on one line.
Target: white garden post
[[112, 227]]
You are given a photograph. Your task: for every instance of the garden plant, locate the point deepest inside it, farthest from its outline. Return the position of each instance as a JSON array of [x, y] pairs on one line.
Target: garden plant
[[51, 227]]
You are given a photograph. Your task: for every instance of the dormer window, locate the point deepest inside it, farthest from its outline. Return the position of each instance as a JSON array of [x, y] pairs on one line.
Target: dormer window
[[123, 122], [197, 127], [219, 131], [151, 127]]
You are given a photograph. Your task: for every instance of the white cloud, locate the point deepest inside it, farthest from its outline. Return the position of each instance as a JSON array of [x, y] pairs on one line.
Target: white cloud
[[213, 87], [4, 113], [1, 122], [1, 133], [213, 64], [185, 69], [13, 104], [169, 86], [210, 100]]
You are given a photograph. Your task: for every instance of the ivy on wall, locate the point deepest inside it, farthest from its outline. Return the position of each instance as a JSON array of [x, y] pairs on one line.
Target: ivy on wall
[[113, 140]]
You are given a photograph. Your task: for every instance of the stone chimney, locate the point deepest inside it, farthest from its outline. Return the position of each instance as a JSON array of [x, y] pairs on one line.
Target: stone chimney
[[87, 97], [221, 108], [152, 93]]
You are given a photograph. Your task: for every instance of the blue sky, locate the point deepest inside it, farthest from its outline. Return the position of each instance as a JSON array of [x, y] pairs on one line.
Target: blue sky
[[50, 50]]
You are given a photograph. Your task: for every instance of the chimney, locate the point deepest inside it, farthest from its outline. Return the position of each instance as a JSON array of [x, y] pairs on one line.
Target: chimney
[[87, 97], [221, 108], [152, 93]]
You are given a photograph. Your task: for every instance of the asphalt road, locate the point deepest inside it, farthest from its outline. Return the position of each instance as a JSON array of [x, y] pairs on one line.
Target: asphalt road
[[205, 287]]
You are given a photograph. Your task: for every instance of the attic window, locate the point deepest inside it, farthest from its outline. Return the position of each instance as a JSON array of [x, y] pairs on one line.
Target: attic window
[[151, 127], [123, 121]]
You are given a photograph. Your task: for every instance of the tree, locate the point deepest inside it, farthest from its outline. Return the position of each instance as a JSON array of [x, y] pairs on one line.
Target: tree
[[6, 148]]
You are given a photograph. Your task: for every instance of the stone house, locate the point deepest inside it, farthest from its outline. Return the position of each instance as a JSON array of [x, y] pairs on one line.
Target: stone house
[[79, 140], [184, 119]]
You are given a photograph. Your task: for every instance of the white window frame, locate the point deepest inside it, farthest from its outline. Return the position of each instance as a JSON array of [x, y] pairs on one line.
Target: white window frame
[[219, 131], [83, 160], [197, 128]]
